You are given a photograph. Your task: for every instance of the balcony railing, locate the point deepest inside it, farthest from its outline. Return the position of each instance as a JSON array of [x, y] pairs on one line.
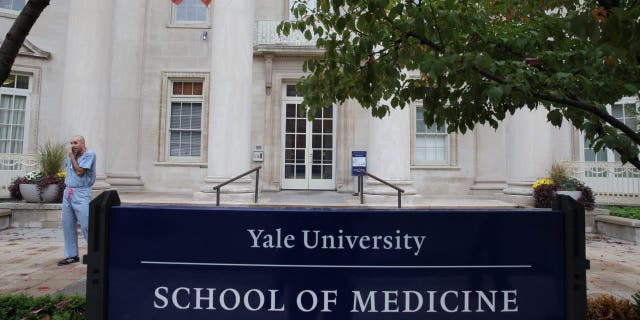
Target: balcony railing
[[13, 165], [611, 182], [265, 34]]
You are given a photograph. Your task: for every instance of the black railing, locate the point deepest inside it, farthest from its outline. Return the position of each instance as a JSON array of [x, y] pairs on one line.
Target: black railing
[[255, 195], [361, 186]]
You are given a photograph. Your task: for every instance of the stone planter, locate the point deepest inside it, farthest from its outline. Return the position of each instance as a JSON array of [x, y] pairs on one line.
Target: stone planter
[[573, 194], [30, 193]]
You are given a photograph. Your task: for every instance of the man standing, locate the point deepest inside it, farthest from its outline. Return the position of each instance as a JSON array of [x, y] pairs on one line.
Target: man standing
[[81, 174]]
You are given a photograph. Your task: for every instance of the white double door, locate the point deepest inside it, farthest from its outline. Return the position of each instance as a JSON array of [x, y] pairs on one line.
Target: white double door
[[308, 152]]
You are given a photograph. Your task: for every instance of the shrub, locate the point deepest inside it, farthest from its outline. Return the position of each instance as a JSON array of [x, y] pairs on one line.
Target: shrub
[[625, 212], [606, 307], [559, 173], [19, 307], [544, 194], [51, 158], [586, 199], [14, 188]]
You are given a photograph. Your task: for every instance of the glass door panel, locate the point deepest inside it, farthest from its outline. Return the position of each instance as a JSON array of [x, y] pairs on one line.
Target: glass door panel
[[295, 144], [322, 158], [308, 158]]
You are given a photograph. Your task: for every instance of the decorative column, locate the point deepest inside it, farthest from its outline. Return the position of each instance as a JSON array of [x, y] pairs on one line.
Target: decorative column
[[389, 154], [85, 97], [229, 151], [124, 116], [529, 152], [490, 163]]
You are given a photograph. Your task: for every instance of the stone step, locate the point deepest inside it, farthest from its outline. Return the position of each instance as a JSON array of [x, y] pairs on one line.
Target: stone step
[[5, 218]]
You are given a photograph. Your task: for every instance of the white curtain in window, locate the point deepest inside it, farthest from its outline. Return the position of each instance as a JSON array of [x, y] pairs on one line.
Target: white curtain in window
[[12, 117]]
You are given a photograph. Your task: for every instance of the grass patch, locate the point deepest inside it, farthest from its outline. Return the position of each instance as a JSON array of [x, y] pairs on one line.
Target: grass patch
[[624, 212], [59, 307]]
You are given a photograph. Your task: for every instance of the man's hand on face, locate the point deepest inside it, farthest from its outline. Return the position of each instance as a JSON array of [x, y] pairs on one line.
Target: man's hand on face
[[77, 148]]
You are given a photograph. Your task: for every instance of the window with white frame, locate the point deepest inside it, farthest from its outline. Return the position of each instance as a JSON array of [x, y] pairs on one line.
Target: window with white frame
[[311, 5], [627, 111], [12, 5], [431, 144], [190, 12], [185, 119], [14, 113]]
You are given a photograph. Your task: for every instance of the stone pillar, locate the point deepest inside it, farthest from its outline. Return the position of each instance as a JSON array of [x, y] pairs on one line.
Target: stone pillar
[[85, 97], [229, 151], [490, 164], [123, 140], [529, 151], [389, 154]]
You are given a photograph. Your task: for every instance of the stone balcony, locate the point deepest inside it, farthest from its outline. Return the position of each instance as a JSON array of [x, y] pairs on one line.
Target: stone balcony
[[266, 40]]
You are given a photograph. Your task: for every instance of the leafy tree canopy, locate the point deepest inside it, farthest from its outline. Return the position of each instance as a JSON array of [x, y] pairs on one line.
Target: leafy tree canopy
[[477, 61]]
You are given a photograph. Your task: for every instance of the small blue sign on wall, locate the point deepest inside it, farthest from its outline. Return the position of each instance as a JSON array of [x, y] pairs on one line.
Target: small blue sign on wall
[[296, 264], [358, 162]]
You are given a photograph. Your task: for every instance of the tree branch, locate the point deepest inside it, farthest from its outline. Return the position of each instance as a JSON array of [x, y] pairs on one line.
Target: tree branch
[[16, 35], [425, 41], [589, 108]]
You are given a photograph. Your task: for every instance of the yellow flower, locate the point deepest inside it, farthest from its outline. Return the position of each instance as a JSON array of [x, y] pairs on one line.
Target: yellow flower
[[542, 181], [61, 174]]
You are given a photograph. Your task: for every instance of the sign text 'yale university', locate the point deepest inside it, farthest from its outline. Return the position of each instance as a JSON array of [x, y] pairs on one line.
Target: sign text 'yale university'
[[239, 263]]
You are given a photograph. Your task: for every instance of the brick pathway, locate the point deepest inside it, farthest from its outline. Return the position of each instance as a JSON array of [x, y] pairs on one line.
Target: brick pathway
[[28, 262]]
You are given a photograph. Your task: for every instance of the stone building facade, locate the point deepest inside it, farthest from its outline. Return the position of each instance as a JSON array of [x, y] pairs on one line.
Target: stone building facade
[[181, 95]]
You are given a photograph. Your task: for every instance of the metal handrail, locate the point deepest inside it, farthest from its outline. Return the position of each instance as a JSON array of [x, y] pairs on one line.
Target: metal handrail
[[361, 186], [255, 196]]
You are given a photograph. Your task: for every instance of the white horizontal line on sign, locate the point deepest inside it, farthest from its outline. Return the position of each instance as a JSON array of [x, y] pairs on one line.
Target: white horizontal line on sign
[[259, 265]]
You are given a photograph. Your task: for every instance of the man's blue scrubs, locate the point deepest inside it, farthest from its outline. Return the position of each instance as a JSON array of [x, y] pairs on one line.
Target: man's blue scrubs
[[75, 201]]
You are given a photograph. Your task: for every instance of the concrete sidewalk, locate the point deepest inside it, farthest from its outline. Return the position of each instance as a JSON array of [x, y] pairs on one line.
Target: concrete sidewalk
[[28, 259]]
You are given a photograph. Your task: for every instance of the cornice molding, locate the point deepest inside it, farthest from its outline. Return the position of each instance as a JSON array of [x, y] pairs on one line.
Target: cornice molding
[[29, 49]]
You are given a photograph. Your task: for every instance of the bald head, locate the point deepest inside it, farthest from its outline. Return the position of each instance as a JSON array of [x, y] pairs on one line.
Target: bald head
[[78, 138], [77, 145]]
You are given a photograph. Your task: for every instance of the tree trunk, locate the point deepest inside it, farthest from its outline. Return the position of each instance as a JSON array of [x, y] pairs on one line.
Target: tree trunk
[[16, 35]]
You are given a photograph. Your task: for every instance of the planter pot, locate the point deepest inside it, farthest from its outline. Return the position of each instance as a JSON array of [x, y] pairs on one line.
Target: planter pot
[[30, 193], [573, 194]]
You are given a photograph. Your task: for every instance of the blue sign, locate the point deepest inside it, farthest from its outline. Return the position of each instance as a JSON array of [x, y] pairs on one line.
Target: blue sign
[[358, 162], [262, 264]]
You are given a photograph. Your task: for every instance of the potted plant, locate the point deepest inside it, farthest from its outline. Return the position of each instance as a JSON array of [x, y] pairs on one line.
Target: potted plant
[[45, 184], [560, 182]]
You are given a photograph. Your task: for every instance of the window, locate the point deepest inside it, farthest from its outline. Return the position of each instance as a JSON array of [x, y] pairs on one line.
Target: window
[[430, 144], [14, 113], [185, 118], [625, 110], [191, 12], [184, 113], [12, 5]]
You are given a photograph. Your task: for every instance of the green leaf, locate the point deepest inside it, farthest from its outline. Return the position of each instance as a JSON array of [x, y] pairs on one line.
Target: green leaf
[[495, 95], [555, 117]]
